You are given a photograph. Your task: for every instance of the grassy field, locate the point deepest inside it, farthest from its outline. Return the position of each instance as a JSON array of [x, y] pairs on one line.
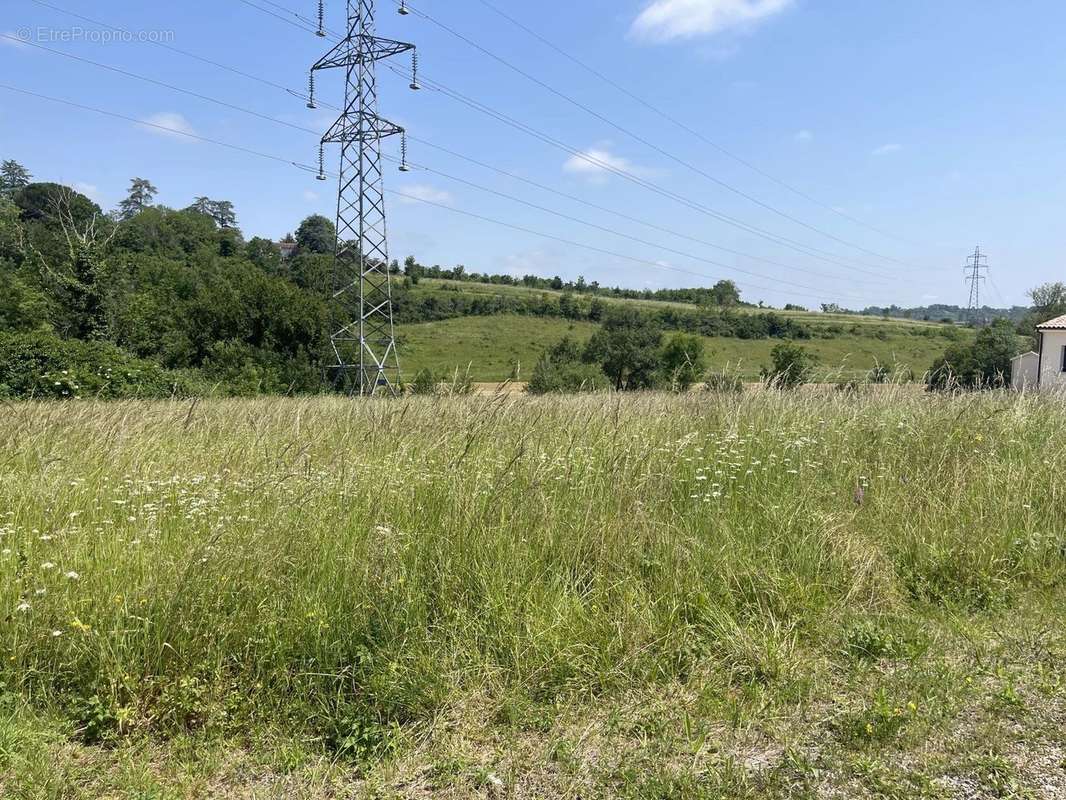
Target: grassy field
[[490, 346], [753, 596], [430, 285]]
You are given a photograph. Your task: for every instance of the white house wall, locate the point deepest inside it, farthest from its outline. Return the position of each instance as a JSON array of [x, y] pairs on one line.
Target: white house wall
[[1051, 354], [1024, 371]]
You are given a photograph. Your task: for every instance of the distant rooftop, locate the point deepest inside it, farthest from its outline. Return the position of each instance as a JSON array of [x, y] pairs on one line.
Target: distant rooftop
[[1057, 324]]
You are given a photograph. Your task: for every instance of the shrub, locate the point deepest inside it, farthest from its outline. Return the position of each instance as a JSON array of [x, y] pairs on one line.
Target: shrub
[[792, 366], [428, 384], [549, 377], [560, 369], [982, 364], [424, 384], [723, 383], [44, 366], [879, 374], [627, 348], [683, 361]]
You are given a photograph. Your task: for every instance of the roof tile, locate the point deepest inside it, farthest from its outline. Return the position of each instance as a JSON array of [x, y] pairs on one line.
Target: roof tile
[[1057, 324]]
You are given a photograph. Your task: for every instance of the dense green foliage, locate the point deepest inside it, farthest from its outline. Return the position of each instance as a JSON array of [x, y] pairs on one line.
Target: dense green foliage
[[184, 291], [983, 363], [176, 290], [684, 361], [724, 293], [43, 366], [627, 349], [562, 369], [791, 366]]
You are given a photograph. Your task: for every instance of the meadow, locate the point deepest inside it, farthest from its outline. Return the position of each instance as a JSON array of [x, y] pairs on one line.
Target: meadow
[[491, 346], [760, 595]]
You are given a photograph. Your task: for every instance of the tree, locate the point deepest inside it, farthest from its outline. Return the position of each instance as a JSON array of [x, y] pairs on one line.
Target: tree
[[223, 213], [1049, 297], [316, 234], [264, 254], [725, 293], [412, 269], [560, 369], [140, 197], [627, 348], [13, 177], [201, 205], [1049, 301], [425, 383], [981, 364], [792, 366], [683, 360]]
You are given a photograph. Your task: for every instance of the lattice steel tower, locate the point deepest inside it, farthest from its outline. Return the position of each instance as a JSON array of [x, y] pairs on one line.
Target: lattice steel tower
[[976, 264], [363, 343]]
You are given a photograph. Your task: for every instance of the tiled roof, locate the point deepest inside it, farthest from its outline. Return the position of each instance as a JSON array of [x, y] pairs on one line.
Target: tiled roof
[[1057, 324]]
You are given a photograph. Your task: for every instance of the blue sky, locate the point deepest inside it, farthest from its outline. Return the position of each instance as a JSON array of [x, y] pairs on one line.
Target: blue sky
[[940, 123]]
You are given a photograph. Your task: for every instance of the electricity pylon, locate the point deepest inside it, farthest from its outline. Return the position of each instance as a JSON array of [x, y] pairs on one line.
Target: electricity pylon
[[975, 265], [363, 344]]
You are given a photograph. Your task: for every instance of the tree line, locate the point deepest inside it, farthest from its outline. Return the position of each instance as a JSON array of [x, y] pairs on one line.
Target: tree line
[[153, 301]]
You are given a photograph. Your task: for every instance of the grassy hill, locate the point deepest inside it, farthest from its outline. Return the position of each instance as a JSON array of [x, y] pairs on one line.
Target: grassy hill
[[847, 346]]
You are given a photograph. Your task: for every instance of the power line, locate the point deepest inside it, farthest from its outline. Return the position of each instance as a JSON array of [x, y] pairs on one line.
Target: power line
[[805, 249], [647, 143], [275, 120], [612, 231], [284, 18], [312, 169], [175, 131], [593, 248], [628, 175], [181, 52], [683, 126], [621, 215], [172, 87]]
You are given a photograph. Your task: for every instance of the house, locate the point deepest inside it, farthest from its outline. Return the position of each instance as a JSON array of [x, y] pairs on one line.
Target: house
[[1046, 368], [1025, 371], [288, 249], [1052, 349]]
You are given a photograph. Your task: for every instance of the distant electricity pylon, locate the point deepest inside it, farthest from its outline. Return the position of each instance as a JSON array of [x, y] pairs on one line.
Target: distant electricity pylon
[[975, 265], [363, 344]]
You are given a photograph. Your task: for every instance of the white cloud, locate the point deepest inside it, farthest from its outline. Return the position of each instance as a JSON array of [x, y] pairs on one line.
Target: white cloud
[[667, 20], [426, 193], [169, 123], [87, 189], [310, 196], [598, 162], [803, 137], [887, 149]]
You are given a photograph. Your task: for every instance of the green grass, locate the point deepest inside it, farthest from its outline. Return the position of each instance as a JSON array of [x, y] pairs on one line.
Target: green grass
[[606, 596], [490, 346], [430, 286]]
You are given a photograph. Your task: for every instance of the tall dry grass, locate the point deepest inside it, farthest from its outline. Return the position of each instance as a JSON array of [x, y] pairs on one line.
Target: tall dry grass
[[353, 567]]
